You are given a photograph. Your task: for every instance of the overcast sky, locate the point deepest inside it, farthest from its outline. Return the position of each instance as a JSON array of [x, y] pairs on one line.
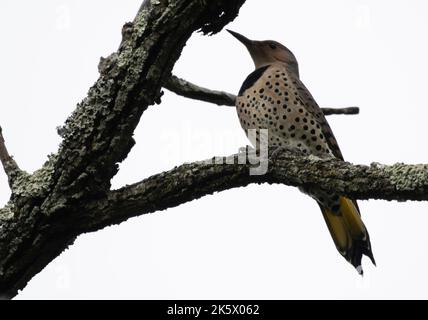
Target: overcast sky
[[249, 243]]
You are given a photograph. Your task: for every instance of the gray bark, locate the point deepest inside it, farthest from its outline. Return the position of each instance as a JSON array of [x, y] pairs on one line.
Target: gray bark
[[71, 194], [45, 208]]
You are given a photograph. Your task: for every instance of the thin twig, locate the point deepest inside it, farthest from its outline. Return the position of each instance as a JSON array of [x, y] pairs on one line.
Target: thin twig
[[221, 98], [192, 91], [342, 111]]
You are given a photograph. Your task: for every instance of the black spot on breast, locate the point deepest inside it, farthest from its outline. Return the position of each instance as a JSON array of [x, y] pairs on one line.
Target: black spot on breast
[[252, 78]]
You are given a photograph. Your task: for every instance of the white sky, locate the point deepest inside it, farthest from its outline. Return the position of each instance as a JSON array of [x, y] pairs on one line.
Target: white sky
[[250, 243]]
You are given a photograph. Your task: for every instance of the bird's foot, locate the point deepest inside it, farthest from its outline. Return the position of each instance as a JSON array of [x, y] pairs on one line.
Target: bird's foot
[[257, 158], [284, 150]]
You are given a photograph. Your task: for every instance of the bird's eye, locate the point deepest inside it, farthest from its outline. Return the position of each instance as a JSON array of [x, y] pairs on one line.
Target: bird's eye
[[272, 46]]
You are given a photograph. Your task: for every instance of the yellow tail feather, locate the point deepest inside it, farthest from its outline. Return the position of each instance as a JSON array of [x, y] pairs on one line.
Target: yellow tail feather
[[352, 218], [348, 232]]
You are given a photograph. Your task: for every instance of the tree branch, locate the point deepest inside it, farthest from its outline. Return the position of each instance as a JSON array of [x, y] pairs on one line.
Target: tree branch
[[192, 91], [45, 208], [192, 181], [9, 164]]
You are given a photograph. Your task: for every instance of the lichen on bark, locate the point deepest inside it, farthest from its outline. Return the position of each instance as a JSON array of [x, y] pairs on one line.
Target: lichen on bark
[[47, 207]]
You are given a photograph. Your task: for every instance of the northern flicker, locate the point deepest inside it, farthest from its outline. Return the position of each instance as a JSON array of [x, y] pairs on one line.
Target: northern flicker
[[273, 98]]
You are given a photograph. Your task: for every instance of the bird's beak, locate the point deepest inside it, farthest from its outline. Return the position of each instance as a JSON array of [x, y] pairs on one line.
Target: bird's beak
[[252, 47], [247, 42]]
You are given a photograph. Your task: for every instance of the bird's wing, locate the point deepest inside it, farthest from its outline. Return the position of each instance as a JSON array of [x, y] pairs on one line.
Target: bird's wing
[[312, 107]]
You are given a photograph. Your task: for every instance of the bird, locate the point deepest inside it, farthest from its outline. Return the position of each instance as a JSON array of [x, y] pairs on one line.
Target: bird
[[274, 98]]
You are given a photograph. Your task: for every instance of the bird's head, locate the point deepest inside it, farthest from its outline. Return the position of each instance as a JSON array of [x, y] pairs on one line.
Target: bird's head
[[267, 52]]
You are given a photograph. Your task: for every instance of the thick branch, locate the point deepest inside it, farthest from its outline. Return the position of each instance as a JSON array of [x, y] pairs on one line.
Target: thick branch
[[46, 206], [9, 164], [191, 181], [192, 91]]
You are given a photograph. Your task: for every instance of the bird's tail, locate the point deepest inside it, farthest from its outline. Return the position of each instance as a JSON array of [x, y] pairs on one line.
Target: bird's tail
[[348, 232]]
